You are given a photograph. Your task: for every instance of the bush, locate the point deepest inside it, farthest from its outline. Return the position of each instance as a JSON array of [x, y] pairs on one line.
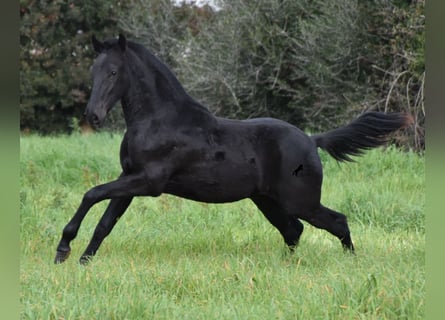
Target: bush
[[393, 59]]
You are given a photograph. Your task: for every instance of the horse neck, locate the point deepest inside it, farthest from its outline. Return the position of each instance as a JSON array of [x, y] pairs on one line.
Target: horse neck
[[152, 95]]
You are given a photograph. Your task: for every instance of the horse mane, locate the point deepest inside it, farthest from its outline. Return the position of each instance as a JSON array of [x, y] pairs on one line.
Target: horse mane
[[164, 79], [151, 61]]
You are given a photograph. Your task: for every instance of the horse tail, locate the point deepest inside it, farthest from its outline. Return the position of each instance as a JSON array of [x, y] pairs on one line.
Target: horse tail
[[368, 131]]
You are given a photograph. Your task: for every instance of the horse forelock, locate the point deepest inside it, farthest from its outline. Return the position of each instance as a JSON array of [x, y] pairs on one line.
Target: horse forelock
[[110, 44]]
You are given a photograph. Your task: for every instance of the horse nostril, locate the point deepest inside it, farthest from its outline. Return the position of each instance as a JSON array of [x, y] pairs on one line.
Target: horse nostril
[[95, 119]]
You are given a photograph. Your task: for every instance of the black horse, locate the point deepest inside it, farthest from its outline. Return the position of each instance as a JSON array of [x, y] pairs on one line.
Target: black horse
[[175, 145]]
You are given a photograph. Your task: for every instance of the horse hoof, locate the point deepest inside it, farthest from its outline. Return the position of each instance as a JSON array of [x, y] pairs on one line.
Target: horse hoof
[[84, 260], [61, 256]]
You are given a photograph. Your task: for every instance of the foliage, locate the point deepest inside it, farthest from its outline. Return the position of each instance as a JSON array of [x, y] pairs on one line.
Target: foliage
[[394, 59], [163, 26], [170, 258]]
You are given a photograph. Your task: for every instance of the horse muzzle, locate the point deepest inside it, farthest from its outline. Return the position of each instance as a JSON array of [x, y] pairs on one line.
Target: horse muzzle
[[95, 118]]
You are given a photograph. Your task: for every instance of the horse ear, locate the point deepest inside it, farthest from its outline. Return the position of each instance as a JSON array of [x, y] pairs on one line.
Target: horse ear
[[97, 45], [122, 42]]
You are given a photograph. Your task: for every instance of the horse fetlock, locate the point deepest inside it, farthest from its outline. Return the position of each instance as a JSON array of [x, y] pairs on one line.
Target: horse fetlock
[[69, 232]]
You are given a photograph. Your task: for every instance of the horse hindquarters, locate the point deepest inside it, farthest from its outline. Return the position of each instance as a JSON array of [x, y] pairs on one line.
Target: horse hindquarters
[[297, 195]]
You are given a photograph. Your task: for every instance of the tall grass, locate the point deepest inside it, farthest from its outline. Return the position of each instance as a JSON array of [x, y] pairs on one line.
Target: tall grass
[[170, 258]]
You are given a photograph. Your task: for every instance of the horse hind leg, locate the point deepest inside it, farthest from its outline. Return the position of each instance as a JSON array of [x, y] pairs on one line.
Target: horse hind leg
[[333, 222], [289, 227]]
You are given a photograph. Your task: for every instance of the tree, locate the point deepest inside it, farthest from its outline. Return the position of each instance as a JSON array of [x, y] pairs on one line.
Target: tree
[[164, 26]]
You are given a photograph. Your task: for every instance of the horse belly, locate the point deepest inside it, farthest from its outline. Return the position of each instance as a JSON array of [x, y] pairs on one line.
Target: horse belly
[[214, 184]]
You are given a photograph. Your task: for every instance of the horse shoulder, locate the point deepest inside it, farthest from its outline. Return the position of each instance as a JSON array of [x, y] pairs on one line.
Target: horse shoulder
[[124, 157]]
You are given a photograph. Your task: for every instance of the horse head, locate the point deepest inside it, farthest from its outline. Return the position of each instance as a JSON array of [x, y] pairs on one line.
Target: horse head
[[109, 79]]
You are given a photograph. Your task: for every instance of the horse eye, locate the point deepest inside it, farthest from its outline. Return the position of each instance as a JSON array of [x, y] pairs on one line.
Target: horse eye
[[113, 73]]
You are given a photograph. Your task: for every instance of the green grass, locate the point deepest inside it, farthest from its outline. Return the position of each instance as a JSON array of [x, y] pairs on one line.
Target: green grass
[[170, 258]]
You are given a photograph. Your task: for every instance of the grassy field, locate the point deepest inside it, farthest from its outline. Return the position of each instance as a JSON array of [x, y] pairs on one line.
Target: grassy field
[[169, 258]]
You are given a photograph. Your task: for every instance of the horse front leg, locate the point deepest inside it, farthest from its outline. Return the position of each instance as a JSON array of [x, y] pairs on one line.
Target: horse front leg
[[114, 211], [125, 187], [71, 229]]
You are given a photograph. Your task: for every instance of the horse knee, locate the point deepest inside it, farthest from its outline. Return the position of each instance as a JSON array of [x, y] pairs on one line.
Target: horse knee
[[90, 197]]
